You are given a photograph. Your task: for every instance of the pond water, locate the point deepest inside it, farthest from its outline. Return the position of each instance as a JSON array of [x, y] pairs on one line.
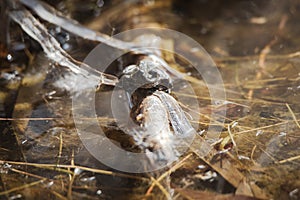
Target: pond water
[[255, 45]]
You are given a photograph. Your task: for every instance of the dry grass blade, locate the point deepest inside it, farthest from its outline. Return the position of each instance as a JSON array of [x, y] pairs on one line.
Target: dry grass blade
[[289, 159], [231, 136], [165, 174], [60, 147], [256, 57], [164, 191], [22, 187], [293, 115], [59, 196], [27, 173], [262, 127], [56, 167]]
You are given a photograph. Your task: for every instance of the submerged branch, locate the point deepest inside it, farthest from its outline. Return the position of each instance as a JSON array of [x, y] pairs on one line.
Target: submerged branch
[[53, 16], [53, 50]]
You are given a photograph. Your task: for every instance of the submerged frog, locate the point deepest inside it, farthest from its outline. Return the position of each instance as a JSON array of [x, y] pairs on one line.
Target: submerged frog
[[165, 130], [146, 74]]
